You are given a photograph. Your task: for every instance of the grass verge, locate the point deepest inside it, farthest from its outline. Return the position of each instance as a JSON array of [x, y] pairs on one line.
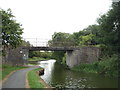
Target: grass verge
[[7, 69], [34, 79]]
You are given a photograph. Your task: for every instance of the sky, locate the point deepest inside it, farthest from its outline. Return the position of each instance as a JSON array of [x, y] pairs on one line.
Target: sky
[[41, 18]]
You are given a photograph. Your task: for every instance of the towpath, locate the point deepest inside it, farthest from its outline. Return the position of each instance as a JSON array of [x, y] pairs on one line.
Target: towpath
[[18, 78]]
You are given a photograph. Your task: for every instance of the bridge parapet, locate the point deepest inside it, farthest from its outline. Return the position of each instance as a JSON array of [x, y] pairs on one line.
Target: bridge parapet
[[51, 48]]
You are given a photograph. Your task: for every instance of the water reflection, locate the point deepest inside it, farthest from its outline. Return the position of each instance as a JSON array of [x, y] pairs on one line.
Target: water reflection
[[48, 66], [56, 76]]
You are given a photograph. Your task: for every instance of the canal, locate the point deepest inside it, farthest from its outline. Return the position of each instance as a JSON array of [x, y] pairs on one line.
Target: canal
[[57, 76]]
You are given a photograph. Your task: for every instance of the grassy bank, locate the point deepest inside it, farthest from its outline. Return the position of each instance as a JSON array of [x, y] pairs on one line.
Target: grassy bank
[[107, 67], [34, 79], [7, 69]]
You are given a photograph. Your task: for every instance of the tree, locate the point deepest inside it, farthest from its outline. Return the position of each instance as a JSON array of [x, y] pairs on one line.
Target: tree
[[109, 24], [11, 29], [61, 40], [87, 40], [88, 36], [76, 36]]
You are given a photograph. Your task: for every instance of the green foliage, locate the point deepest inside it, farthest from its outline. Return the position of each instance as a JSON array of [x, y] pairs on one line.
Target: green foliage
[[40, 54], [86, 40], [61, 40], [34, 79], [109, 24], [24, 43], [64, 59], [11, 29], [58, 56], [88, 36], [107, 66]]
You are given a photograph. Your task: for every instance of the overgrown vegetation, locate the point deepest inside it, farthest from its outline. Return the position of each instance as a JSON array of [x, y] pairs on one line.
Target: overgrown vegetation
[[107, 66], [7, 69], [34, 79]]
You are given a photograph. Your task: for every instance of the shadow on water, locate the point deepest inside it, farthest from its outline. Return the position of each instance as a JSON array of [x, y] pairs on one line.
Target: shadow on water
[[56, 76]]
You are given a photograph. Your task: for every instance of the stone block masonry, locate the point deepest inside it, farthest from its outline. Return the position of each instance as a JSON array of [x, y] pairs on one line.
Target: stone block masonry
[[16, 56], [82, 55]]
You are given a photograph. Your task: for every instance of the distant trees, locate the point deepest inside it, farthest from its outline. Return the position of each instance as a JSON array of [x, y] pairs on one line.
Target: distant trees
[[40, 54], [61, 39]]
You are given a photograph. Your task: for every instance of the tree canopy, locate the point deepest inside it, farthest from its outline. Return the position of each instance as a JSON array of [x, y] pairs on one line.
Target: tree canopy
[[109, 24], [11, 29], [61, 40]]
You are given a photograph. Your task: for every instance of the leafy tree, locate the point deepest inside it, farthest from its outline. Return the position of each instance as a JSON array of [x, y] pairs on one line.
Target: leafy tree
[[11, 29], [88, 36], [61, 40], [76, 36], [109, 24], [87, 40], [25, 43]]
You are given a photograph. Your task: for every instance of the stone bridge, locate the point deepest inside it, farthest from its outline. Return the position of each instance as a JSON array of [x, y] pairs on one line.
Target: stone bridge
[[75, 55]]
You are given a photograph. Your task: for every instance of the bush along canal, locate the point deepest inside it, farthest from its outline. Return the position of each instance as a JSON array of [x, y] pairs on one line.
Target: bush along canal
[[57, 76]]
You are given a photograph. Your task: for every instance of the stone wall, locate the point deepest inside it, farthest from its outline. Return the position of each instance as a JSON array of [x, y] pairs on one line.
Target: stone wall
[[83, 55], [16, 56]]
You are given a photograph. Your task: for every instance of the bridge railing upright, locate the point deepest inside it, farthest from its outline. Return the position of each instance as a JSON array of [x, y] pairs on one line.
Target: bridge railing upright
[[38, 42]]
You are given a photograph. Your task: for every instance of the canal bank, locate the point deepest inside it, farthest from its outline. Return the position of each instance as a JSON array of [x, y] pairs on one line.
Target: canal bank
[[108, 67], [34, 81], [57, 76]]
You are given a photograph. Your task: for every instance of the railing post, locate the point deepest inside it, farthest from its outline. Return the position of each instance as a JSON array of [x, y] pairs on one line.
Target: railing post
[[36, 42]]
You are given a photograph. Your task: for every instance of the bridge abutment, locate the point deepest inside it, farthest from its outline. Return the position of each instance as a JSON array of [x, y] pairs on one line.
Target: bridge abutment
[[83, 55]]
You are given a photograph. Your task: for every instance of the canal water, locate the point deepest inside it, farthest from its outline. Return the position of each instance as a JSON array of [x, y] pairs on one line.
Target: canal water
[[57, 76]]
